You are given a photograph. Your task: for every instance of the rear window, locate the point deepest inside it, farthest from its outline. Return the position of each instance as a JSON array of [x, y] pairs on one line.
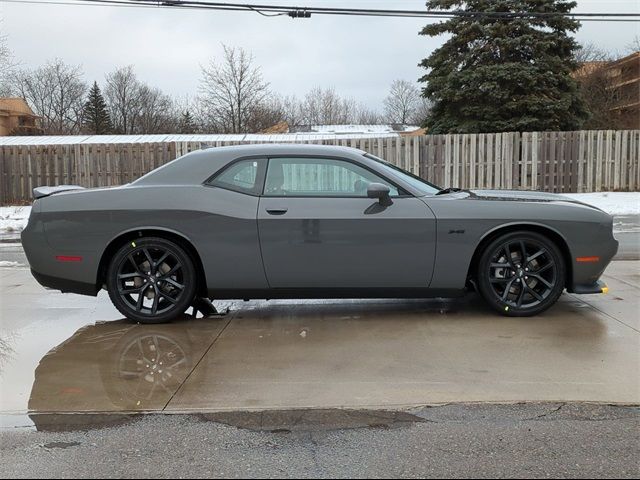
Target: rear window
[[244, 176]]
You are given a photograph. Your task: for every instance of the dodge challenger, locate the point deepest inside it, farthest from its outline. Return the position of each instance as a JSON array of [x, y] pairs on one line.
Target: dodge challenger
[[310, 221]]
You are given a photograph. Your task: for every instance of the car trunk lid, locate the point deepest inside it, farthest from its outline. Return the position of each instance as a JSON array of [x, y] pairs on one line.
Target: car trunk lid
[[40, 192]]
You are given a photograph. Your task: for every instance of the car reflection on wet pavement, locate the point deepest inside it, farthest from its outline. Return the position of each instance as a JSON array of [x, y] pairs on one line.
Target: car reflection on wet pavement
[[117, 366]]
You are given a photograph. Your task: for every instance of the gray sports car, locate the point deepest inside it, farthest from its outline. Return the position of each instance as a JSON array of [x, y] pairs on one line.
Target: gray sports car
[[309, 221]]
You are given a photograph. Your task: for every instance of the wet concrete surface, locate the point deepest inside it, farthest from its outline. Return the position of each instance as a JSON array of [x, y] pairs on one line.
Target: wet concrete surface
[[63, 354]]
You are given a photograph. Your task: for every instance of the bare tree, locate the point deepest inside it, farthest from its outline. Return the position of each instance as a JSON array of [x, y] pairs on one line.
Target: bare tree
[[634, 45], [231, 90], [123, 96], [323, 106], [589, 53], [291, 110], [267, 113], [56, 92], [7, 65], [137, 108], [402, 101], [367, 116], [423, 107], [157, 112]]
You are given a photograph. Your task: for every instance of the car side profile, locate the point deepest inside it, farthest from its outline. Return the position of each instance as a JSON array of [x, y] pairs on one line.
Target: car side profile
[[310, 221]]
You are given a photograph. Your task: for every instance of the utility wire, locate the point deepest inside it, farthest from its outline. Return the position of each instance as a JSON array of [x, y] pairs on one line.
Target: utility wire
[[389, 12], [279, 10]]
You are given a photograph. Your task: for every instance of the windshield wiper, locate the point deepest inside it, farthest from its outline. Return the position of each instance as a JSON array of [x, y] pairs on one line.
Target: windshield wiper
[[444, 191]]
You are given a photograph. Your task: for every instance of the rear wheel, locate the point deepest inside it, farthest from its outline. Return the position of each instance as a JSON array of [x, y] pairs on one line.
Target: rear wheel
[[151, 280], [521, 274]]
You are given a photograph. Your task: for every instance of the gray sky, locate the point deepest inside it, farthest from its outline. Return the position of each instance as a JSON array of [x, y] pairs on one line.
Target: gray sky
[[359, 56]]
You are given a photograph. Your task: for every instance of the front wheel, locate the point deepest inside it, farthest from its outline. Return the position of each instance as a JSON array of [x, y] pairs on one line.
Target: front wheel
[[521, 274], [151, 280]]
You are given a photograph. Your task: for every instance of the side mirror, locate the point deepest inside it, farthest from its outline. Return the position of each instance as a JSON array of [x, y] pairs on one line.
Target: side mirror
[[378, 190]]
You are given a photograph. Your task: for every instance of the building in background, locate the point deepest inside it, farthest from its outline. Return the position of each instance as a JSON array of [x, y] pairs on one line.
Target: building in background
[[625, 81], [612, 91], [17, 118]]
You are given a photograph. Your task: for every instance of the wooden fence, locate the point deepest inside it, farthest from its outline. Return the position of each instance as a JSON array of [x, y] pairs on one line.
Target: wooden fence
[[584, 161]]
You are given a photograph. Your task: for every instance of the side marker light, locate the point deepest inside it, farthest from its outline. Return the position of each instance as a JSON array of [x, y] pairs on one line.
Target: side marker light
[[587, 259], [68, 258]]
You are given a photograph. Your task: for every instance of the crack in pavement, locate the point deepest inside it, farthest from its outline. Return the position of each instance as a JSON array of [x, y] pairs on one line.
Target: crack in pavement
[[551, 412]]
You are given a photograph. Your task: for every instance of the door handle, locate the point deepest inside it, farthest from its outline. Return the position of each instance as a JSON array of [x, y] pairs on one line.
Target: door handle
[[277, 211]]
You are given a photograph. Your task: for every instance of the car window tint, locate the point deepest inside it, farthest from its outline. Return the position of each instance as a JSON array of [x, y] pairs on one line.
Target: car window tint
[[243, 176], [320, 177]]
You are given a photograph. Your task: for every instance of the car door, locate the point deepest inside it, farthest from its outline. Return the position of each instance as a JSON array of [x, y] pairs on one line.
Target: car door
[[318, 229]]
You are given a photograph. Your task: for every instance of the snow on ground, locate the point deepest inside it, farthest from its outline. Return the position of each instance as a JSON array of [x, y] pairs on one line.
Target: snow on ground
[[614, 203], [8, 264], [14, 219]]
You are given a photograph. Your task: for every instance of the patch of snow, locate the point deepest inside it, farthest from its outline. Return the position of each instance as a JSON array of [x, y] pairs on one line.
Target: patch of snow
[[614, 203], [8, 264], [14, 219]]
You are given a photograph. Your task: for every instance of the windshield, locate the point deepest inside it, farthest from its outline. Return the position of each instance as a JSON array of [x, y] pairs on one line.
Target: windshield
[[416, 182]]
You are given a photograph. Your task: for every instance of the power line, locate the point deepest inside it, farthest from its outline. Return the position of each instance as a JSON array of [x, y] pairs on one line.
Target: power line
[[305, 12], [394, 12]]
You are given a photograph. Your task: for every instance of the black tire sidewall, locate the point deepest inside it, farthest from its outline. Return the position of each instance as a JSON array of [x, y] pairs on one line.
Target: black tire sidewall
[[189, 274], [487, 291]]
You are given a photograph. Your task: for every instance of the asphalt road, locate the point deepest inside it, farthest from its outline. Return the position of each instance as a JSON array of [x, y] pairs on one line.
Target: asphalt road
[[627, 232], [457, 441]]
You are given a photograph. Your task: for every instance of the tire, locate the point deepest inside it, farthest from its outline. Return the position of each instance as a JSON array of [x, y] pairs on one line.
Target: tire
[[518, 288], [151, 280]]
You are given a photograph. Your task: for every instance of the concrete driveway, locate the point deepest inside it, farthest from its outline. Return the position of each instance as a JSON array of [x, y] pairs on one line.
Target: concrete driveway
[[66, 353]]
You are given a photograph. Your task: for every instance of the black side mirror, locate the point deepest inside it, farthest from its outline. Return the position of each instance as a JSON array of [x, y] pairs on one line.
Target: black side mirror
[[379, 191]]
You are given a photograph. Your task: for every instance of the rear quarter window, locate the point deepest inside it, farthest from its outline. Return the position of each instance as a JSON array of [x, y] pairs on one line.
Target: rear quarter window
[[244, 176]]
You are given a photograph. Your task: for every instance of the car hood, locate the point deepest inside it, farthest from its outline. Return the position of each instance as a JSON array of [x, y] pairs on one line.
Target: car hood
[[523, 196]]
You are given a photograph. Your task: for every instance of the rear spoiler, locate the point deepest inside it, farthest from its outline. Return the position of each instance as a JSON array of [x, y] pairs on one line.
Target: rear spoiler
[[40, 192]]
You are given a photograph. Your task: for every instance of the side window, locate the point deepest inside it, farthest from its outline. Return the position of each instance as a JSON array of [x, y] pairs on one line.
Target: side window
[[245, 176], [320, 177]]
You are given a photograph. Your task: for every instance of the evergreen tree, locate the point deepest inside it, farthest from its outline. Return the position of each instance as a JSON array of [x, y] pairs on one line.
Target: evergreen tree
[[95, 116], [187, 123], [499, 74]]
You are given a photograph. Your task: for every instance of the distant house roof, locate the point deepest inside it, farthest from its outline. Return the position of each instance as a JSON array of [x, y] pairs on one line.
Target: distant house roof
[[15, 106], [632, 57], [210, 139], [280, 127]]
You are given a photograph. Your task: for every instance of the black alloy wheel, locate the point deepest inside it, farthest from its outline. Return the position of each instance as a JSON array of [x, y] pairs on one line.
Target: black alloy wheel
[[521, 273], [151, 280]]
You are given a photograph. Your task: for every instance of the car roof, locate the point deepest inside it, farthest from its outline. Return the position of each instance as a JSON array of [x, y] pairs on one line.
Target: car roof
[[288, 148], [195, 167]]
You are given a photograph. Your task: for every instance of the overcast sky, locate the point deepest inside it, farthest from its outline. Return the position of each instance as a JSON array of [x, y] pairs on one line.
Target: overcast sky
[[358, 56]]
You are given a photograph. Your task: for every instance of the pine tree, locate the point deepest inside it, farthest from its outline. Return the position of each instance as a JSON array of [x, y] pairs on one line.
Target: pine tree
[[187, 123], [96, 120], [503, 74]]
